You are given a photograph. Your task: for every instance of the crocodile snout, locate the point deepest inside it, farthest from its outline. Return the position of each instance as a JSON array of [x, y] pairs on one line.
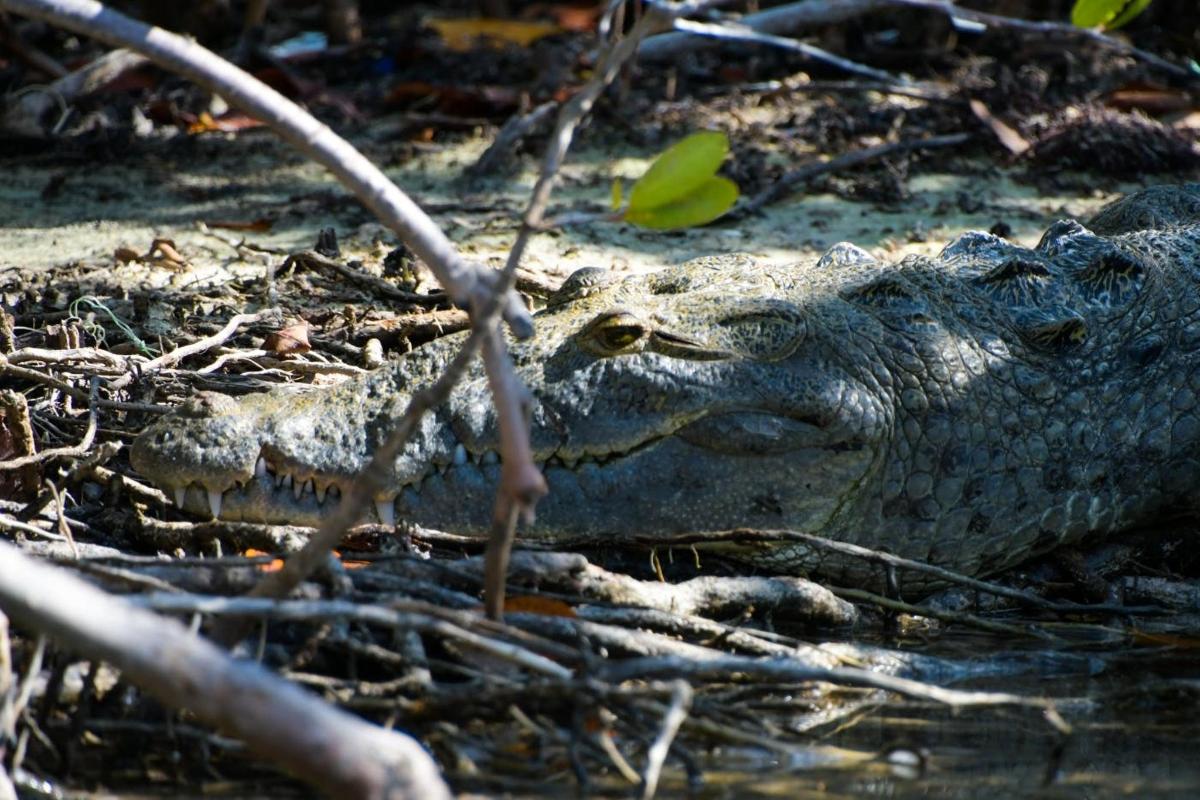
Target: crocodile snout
[[211, 441]]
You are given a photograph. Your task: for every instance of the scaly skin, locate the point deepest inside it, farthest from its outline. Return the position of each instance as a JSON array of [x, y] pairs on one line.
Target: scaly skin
[[970, 410]]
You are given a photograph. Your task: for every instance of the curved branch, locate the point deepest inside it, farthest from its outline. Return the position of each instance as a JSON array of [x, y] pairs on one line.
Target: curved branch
[[468, 284], [339, 753]]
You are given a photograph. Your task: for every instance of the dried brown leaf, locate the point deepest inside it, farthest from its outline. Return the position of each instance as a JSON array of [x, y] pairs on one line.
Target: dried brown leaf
[[1014, 142], [536, 604], [288, 341]]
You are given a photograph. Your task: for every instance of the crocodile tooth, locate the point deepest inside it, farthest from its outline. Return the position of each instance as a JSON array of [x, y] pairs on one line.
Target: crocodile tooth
[[285, 482], [334, 492], [180, 494], [490, 457], [260, 468], [319, 489], [386, 512], [460, 455], [298, 488], [570, 463], [214, 503]]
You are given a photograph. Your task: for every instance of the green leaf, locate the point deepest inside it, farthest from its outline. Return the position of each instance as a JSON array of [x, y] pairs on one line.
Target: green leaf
[[1107, 14], [679, 171], [702, 204]]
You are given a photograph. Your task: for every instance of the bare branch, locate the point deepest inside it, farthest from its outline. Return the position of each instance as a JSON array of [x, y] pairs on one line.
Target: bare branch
[[1063, 29], [809, 13], [361, 492], [681, 701], [940, 573], [338, 752], [519, 489], [792, 670], [780, 20], [468, 284], [319, 610], [785, 184], [740, 33]]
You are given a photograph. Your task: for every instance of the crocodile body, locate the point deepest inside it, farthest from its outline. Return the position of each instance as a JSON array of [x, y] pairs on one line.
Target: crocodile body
[[971, 409]]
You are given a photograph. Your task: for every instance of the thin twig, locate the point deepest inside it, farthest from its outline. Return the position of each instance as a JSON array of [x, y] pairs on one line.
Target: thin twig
[[10, 523], [64, 530], [941, 573], [35, 376], [87, 355], [1047, 28], [801, 83], [78, 451], [200, 345], [324, 610], [958, 617], [783, 19], [785, 184], [790, 670], [741, 33], [656, 756], [810, 13], [521, 483], [313, 259]]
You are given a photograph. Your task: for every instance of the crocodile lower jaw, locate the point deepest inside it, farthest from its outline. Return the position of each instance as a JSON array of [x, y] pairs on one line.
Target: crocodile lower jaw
[[277, 495], [278, 490]]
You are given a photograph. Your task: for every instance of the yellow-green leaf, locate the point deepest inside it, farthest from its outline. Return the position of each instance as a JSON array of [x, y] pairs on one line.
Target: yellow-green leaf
[[1107, 14], [617, 194], [679, 170], [703, 204]]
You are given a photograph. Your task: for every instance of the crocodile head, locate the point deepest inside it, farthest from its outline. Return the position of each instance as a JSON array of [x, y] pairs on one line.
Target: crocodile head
[[716, 394], [970, 409]]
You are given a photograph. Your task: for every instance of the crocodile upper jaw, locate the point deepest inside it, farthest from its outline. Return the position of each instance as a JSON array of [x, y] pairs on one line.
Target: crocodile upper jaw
[[269, 487]]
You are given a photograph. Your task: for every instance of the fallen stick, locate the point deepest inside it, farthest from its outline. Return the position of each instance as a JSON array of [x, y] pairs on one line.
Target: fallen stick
[[782, 187], [334, 751], [723, 667], [811, 13]]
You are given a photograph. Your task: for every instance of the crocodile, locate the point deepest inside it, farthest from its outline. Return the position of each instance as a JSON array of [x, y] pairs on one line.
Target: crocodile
[[970, 410]]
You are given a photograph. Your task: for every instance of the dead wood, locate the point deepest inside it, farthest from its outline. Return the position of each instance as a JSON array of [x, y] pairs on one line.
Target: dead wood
[[335, 751]]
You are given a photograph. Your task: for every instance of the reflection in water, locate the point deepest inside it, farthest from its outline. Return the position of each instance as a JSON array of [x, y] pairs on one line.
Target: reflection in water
[[1134, 732]]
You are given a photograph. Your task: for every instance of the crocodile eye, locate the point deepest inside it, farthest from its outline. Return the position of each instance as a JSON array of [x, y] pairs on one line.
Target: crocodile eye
[[615, 333]]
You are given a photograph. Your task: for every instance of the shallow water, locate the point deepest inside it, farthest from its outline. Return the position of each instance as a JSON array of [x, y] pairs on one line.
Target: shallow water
[[1135, 732]]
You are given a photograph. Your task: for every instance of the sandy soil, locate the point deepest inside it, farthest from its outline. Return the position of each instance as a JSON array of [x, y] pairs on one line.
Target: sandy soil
[[58, 209]]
